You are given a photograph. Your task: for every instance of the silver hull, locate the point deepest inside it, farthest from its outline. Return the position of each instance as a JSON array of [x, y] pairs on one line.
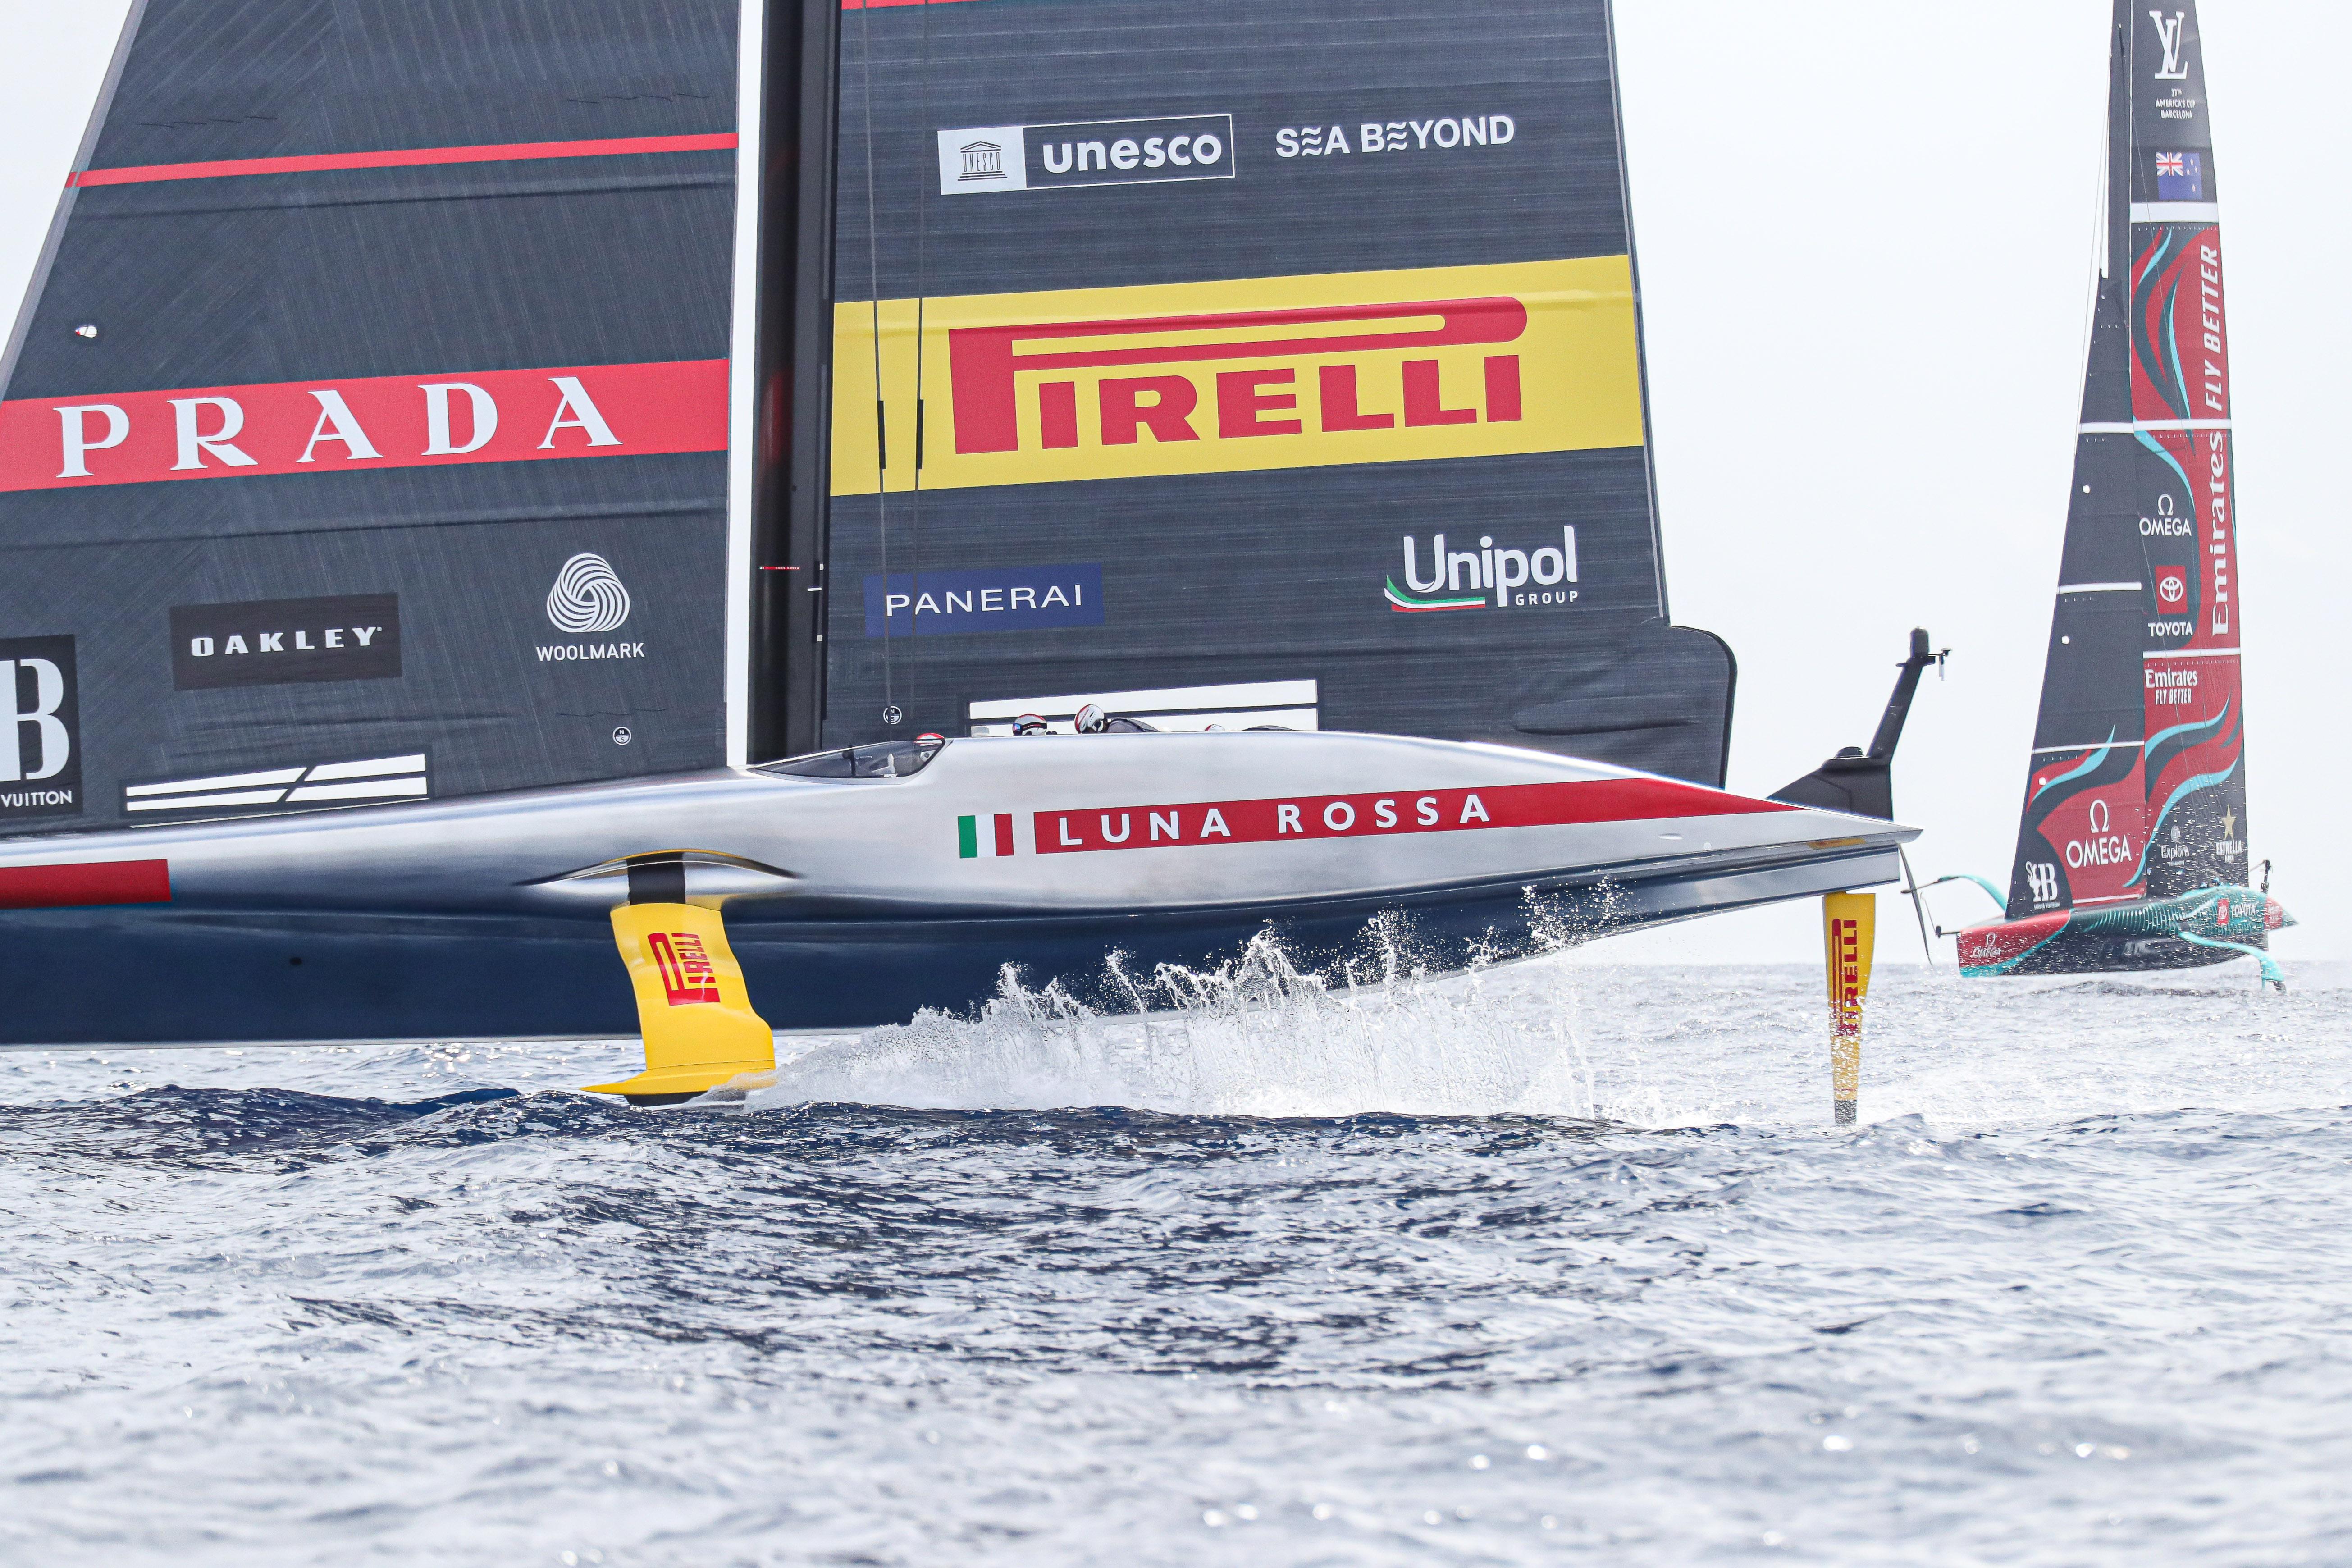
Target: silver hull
[[854, 901]]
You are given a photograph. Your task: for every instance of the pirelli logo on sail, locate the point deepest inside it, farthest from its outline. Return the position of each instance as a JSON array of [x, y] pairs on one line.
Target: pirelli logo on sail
[[1262, 372]]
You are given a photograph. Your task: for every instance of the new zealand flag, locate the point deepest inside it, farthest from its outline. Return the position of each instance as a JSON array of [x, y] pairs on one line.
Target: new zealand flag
[[2180, 177]]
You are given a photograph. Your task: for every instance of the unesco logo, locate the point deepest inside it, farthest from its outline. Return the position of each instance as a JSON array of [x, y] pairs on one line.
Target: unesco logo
[[977, 159]]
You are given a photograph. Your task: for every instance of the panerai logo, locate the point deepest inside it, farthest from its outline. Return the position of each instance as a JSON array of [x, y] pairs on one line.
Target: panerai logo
[[40, 728], [2170, 34], [1486, 577], [277, 642]]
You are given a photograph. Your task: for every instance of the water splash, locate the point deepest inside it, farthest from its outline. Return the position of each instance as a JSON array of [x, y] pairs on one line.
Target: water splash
[[1261, 1035]]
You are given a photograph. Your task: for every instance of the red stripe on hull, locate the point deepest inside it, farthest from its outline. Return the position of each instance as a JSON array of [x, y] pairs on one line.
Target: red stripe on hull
[[405, 158], [1983, 946], [101, 882], [1193, 823]]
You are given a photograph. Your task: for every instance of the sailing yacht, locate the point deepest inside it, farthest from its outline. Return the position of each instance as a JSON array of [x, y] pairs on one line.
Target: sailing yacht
[[2131, 851], [843, 498]]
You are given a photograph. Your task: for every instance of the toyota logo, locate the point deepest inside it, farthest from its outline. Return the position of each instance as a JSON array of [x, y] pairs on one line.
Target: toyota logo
[[2171, 588]]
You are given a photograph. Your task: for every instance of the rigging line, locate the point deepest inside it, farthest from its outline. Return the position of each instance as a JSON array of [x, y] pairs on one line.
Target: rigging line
[[1919, 907], [922, 298], [874, 307]]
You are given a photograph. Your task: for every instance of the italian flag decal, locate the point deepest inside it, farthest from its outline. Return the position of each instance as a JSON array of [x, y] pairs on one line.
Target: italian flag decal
[[984, 837]]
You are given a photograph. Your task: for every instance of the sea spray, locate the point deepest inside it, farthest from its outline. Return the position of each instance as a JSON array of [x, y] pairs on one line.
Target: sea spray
[[1260, 1035]]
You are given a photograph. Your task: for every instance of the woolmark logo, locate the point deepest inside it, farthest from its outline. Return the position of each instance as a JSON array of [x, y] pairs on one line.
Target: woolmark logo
[[40, 728], [1501, 578], [587, 596], [984, 158]]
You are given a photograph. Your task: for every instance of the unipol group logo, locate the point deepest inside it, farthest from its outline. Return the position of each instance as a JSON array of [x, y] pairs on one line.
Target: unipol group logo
[[1492, 577], [40, 728], [587, 596], [2170, 34], [1255, 374]]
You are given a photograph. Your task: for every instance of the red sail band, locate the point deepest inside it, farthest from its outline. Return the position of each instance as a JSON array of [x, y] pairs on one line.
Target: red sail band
[[402, 158], [334, 425]]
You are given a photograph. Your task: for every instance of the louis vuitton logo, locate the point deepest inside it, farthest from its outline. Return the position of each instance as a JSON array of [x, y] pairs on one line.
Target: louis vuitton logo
[[2171, 35]]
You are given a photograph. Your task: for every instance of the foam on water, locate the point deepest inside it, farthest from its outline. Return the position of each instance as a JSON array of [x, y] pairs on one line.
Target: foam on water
[[1551, 1260], [1570, 1034]]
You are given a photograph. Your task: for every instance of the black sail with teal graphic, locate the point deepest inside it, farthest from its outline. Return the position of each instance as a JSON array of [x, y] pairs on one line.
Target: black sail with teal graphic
[[360, 330], [1303, 341], [2137, 786]]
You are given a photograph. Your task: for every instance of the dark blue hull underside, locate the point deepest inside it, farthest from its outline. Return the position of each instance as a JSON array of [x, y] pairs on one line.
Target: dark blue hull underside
[[150, 975]]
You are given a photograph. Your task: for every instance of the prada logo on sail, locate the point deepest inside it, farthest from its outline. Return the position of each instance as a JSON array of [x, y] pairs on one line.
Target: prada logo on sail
[[337, 426], [277, 642], [1257, 373], [40, 728], [2170, 34]]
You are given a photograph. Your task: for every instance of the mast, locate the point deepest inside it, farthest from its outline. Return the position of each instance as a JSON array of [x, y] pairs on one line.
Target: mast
[[2136, 787]]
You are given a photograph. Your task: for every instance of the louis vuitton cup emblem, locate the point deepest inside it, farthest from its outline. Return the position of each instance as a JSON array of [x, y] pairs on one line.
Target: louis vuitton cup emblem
[[587, 596], [981, 160], [2169, 34]]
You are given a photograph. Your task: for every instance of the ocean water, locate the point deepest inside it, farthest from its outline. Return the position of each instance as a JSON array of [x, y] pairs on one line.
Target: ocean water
[[1558, 1262]]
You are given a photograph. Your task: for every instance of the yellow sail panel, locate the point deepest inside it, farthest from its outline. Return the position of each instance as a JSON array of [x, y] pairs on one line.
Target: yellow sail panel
[[1250, 374], [697, 1017]]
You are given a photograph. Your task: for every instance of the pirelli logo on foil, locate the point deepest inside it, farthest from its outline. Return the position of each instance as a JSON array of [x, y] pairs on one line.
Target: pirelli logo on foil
[[1261, 372]]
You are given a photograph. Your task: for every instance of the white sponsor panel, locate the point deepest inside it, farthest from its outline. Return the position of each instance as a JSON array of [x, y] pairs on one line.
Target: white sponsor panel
[[1289, 704], [366, 779]]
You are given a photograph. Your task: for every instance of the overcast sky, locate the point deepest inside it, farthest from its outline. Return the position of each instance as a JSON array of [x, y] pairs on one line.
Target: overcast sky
[[1865, 234]]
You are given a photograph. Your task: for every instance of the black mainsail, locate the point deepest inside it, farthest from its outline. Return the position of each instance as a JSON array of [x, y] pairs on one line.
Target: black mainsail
[[2135, 793], [367, 338], [1248, 363]]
